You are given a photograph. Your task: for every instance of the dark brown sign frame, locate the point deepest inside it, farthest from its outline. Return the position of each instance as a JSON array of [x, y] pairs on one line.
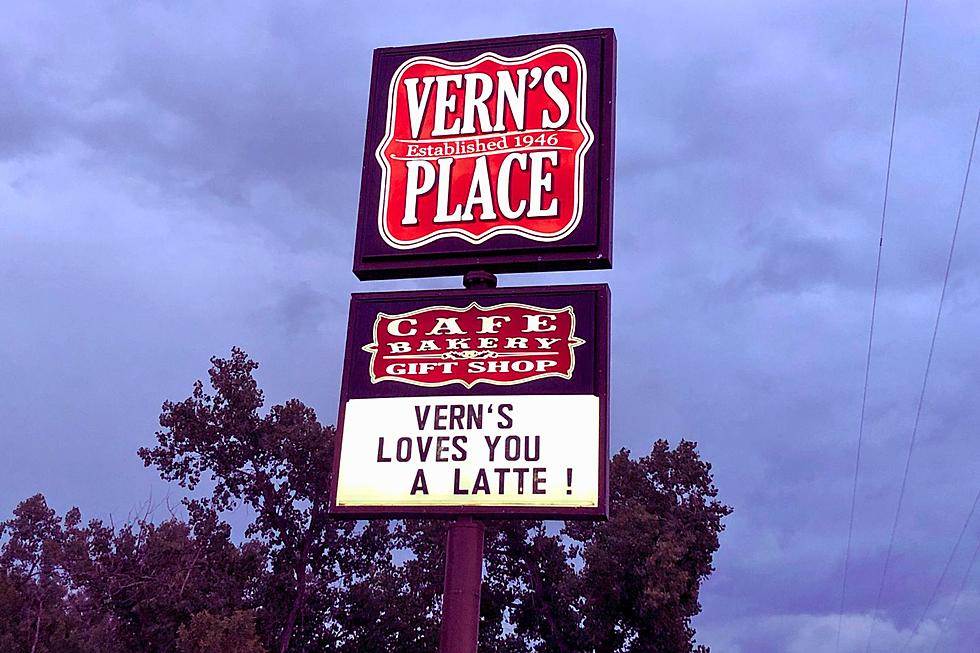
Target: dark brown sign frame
[[588, 246], [590, 377]]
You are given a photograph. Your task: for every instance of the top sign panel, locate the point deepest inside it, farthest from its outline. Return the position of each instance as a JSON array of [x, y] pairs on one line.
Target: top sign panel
[[494, 154]]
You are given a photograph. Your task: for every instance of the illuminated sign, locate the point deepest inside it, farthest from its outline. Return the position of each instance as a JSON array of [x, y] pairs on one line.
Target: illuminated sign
[[496, 152], [505, 344], [501, 141], [510, 451], [475, 402]]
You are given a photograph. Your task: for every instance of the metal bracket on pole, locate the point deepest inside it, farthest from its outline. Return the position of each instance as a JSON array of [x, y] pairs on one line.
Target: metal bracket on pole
[[479, 279]]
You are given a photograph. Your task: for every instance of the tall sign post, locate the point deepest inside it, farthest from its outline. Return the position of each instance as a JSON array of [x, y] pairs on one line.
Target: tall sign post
[[481, 157]]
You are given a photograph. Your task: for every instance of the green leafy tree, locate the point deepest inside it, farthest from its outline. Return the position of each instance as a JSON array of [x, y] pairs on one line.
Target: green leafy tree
[[302, 582], [33, 582], [69, 587], [151, 578], [208, 633], [278, 464], [626, 585]]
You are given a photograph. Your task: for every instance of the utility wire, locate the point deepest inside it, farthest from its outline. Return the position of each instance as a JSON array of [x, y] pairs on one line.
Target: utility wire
[[956, 599], [942, 576], [922, 392], [976, 500], [871, 329]]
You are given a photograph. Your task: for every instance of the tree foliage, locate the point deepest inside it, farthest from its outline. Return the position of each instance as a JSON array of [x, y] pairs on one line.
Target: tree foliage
[[300, 581], [207, 633]]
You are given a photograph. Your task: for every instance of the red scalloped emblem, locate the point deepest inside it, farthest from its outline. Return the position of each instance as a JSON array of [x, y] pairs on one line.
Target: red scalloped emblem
[[486, 147], [504, 344]]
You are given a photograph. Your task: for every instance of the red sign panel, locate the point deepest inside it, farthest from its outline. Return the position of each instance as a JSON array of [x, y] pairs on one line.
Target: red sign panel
[[494, 154], [490, 146], [504, 344]]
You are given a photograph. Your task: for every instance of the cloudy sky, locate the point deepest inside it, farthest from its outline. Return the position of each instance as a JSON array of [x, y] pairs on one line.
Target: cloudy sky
[[176, 179]]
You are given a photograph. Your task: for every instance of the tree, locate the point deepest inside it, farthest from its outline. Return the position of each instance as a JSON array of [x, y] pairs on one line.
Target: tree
[[208, 633], [626, 585], [643, 568], [66, 587], [150, 579], [33, 584], [302, 582], [278, 465]]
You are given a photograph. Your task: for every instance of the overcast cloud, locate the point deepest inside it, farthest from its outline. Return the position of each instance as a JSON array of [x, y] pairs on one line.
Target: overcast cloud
[[176, 179]]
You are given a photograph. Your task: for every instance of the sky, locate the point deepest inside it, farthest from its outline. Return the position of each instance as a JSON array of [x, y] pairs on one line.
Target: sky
[[180, 178]]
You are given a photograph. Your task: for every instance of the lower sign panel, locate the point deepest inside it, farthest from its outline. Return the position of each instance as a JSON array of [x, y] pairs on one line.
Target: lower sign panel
[[506, 451], [487, 402]]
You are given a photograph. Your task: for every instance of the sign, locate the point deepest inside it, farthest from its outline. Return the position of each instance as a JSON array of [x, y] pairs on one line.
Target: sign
[[504, 344], [475, 402], [492, 154]]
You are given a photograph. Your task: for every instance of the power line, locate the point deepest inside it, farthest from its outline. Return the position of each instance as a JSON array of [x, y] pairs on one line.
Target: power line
[[871, 329], [976, 500], [942, 576], [956, 599], [925, 381]]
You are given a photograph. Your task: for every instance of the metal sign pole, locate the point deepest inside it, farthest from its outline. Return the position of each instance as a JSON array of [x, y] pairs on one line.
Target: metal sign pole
[[460, 629]]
